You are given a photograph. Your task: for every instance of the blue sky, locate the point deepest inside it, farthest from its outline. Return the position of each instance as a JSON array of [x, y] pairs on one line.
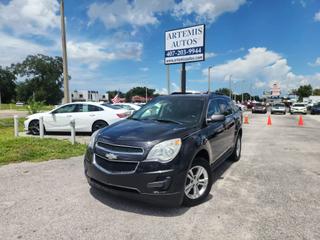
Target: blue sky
[[115, 45]]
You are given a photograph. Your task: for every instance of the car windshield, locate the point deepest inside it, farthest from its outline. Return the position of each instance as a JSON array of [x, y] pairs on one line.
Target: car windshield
[[279, 105], [111, 106], [259, 104], [186, 111], [127, 107], [299, 105]]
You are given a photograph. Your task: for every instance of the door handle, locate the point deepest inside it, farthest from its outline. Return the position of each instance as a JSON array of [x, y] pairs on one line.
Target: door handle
[[69, 115], [92, 115]]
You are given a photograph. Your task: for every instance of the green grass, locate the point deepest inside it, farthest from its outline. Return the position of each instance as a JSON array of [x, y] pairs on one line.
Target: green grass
[[12, 106], [32, 149]]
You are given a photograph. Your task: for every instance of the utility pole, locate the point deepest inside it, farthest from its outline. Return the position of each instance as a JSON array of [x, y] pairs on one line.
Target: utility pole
[[183, 78], [168, 79], [146, 94], [209, 79], [64, 57], [230, 85]]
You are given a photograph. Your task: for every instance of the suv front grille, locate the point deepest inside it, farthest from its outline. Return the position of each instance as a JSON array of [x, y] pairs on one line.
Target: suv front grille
[[115, 166], [120, 149]]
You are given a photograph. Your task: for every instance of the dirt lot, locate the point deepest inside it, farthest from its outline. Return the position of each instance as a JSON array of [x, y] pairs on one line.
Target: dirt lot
[[271, 193]]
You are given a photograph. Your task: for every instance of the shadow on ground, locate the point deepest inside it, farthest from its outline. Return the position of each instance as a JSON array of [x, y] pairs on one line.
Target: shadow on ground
[[129, 205]]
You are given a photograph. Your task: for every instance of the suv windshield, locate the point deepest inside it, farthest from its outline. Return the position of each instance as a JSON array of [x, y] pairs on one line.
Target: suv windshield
[[185, 111], [279, 105]]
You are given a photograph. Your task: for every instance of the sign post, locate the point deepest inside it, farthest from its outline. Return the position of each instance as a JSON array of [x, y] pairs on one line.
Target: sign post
[[185, 45]]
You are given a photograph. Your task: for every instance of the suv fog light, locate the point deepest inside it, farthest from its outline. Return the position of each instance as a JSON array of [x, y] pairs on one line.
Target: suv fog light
[[160, 185]]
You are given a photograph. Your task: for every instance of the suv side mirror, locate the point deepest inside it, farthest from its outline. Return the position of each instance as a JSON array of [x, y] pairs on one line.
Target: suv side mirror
[[216, 118]]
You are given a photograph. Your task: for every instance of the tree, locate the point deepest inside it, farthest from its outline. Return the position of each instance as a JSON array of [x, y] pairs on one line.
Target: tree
[[316, 92], [43, 79], [304, 91], [113, 93], [224, 91], [139, 91], [7, 85]]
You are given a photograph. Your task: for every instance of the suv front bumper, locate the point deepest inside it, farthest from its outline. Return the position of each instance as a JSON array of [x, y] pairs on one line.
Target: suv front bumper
[[161, 187]]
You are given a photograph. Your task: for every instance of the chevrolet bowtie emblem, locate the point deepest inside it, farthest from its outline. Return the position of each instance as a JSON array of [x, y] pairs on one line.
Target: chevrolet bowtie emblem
[[111, 156]]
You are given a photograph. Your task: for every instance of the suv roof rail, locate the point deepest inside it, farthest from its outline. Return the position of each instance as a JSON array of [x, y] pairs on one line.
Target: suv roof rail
[[177, 93]]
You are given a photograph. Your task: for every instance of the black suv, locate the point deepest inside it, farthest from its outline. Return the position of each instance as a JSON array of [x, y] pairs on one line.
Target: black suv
[[166, 151]]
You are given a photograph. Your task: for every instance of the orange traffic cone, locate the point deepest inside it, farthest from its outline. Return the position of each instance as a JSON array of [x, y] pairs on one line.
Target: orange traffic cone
[[300, 121], [246, 119], [269, 120]]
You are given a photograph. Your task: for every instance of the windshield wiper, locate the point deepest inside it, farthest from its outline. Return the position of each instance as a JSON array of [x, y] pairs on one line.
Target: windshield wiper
[[168, 121]]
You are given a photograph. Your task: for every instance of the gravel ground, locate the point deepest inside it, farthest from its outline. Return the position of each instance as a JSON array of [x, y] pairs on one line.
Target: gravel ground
[[271, 193]]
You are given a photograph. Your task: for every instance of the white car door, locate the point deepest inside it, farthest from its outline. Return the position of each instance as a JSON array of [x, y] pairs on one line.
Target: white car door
[[59, 119]]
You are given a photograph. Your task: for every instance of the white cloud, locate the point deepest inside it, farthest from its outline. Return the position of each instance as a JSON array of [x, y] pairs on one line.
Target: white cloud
[[210, 55], [206, 10], [94, 53], [317, 17], [14, 50], [144, 69], [29, 16], [263, 67], [316, 63], [136, 13]]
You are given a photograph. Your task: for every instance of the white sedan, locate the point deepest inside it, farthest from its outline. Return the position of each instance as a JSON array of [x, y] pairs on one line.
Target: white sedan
[[88, 116]]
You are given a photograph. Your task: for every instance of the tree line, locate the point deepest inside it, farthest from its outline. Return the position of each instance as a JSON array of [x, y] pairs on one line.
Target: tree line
[[40, 78]]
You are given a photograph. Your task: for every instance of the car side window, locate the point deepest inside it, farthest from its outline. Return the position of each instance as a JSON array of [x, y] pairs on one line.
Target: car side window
[[213, 108], [93, 108], [65, 109], [225, 107]]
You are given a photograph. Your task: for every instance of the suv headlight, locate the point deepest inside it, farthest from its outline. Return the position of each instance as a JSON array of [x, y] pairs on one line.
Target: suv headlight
[[165, 151], [93, 139]]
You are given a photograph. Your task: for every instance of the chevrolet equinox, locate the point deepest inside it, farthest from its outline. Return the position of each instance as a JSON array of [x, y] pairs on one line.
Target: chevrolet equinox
[[166, 152]]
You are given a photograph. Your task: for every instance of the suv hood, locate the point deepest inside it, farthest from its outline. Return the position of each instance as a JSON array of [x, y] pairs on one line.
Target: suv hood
[[140, 133]]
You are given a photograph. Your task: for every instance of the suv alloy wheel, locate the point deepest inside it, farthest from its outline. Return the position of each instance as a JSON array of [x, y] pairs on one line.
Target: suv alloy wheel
[[198, 182], [237, 150]]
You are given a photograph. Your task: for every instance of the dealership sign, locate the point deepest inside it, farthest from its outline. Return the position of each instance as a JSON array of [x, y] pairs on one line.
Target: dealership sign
[[185, 45]]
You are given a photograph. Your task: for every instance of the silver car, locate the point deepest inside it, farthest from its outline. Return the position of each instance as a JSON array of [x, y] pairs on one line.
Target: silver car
[[278, 108]]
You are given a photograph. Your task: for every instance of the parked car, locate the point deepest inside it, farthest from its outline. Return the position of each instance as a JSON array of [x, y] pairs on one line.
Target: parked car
[[88, 117], [315, 108], [164, 152], [128, 106], [278, 108], [259, 108], [298, 108]]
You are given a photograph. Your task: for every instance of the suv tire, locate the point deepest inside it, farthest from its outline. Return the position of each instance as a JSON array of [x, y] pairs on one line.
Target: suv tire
[[198, 182], [236, 154]]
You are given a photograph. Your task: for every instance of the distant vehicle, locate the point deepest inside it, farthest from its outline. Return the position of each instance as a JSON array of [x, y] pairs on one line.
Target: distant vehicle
[[140, 104], [315, 108], [128, 106], [19, 104], [298, 108], [278, 108], [88, 116], [259, 108]]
